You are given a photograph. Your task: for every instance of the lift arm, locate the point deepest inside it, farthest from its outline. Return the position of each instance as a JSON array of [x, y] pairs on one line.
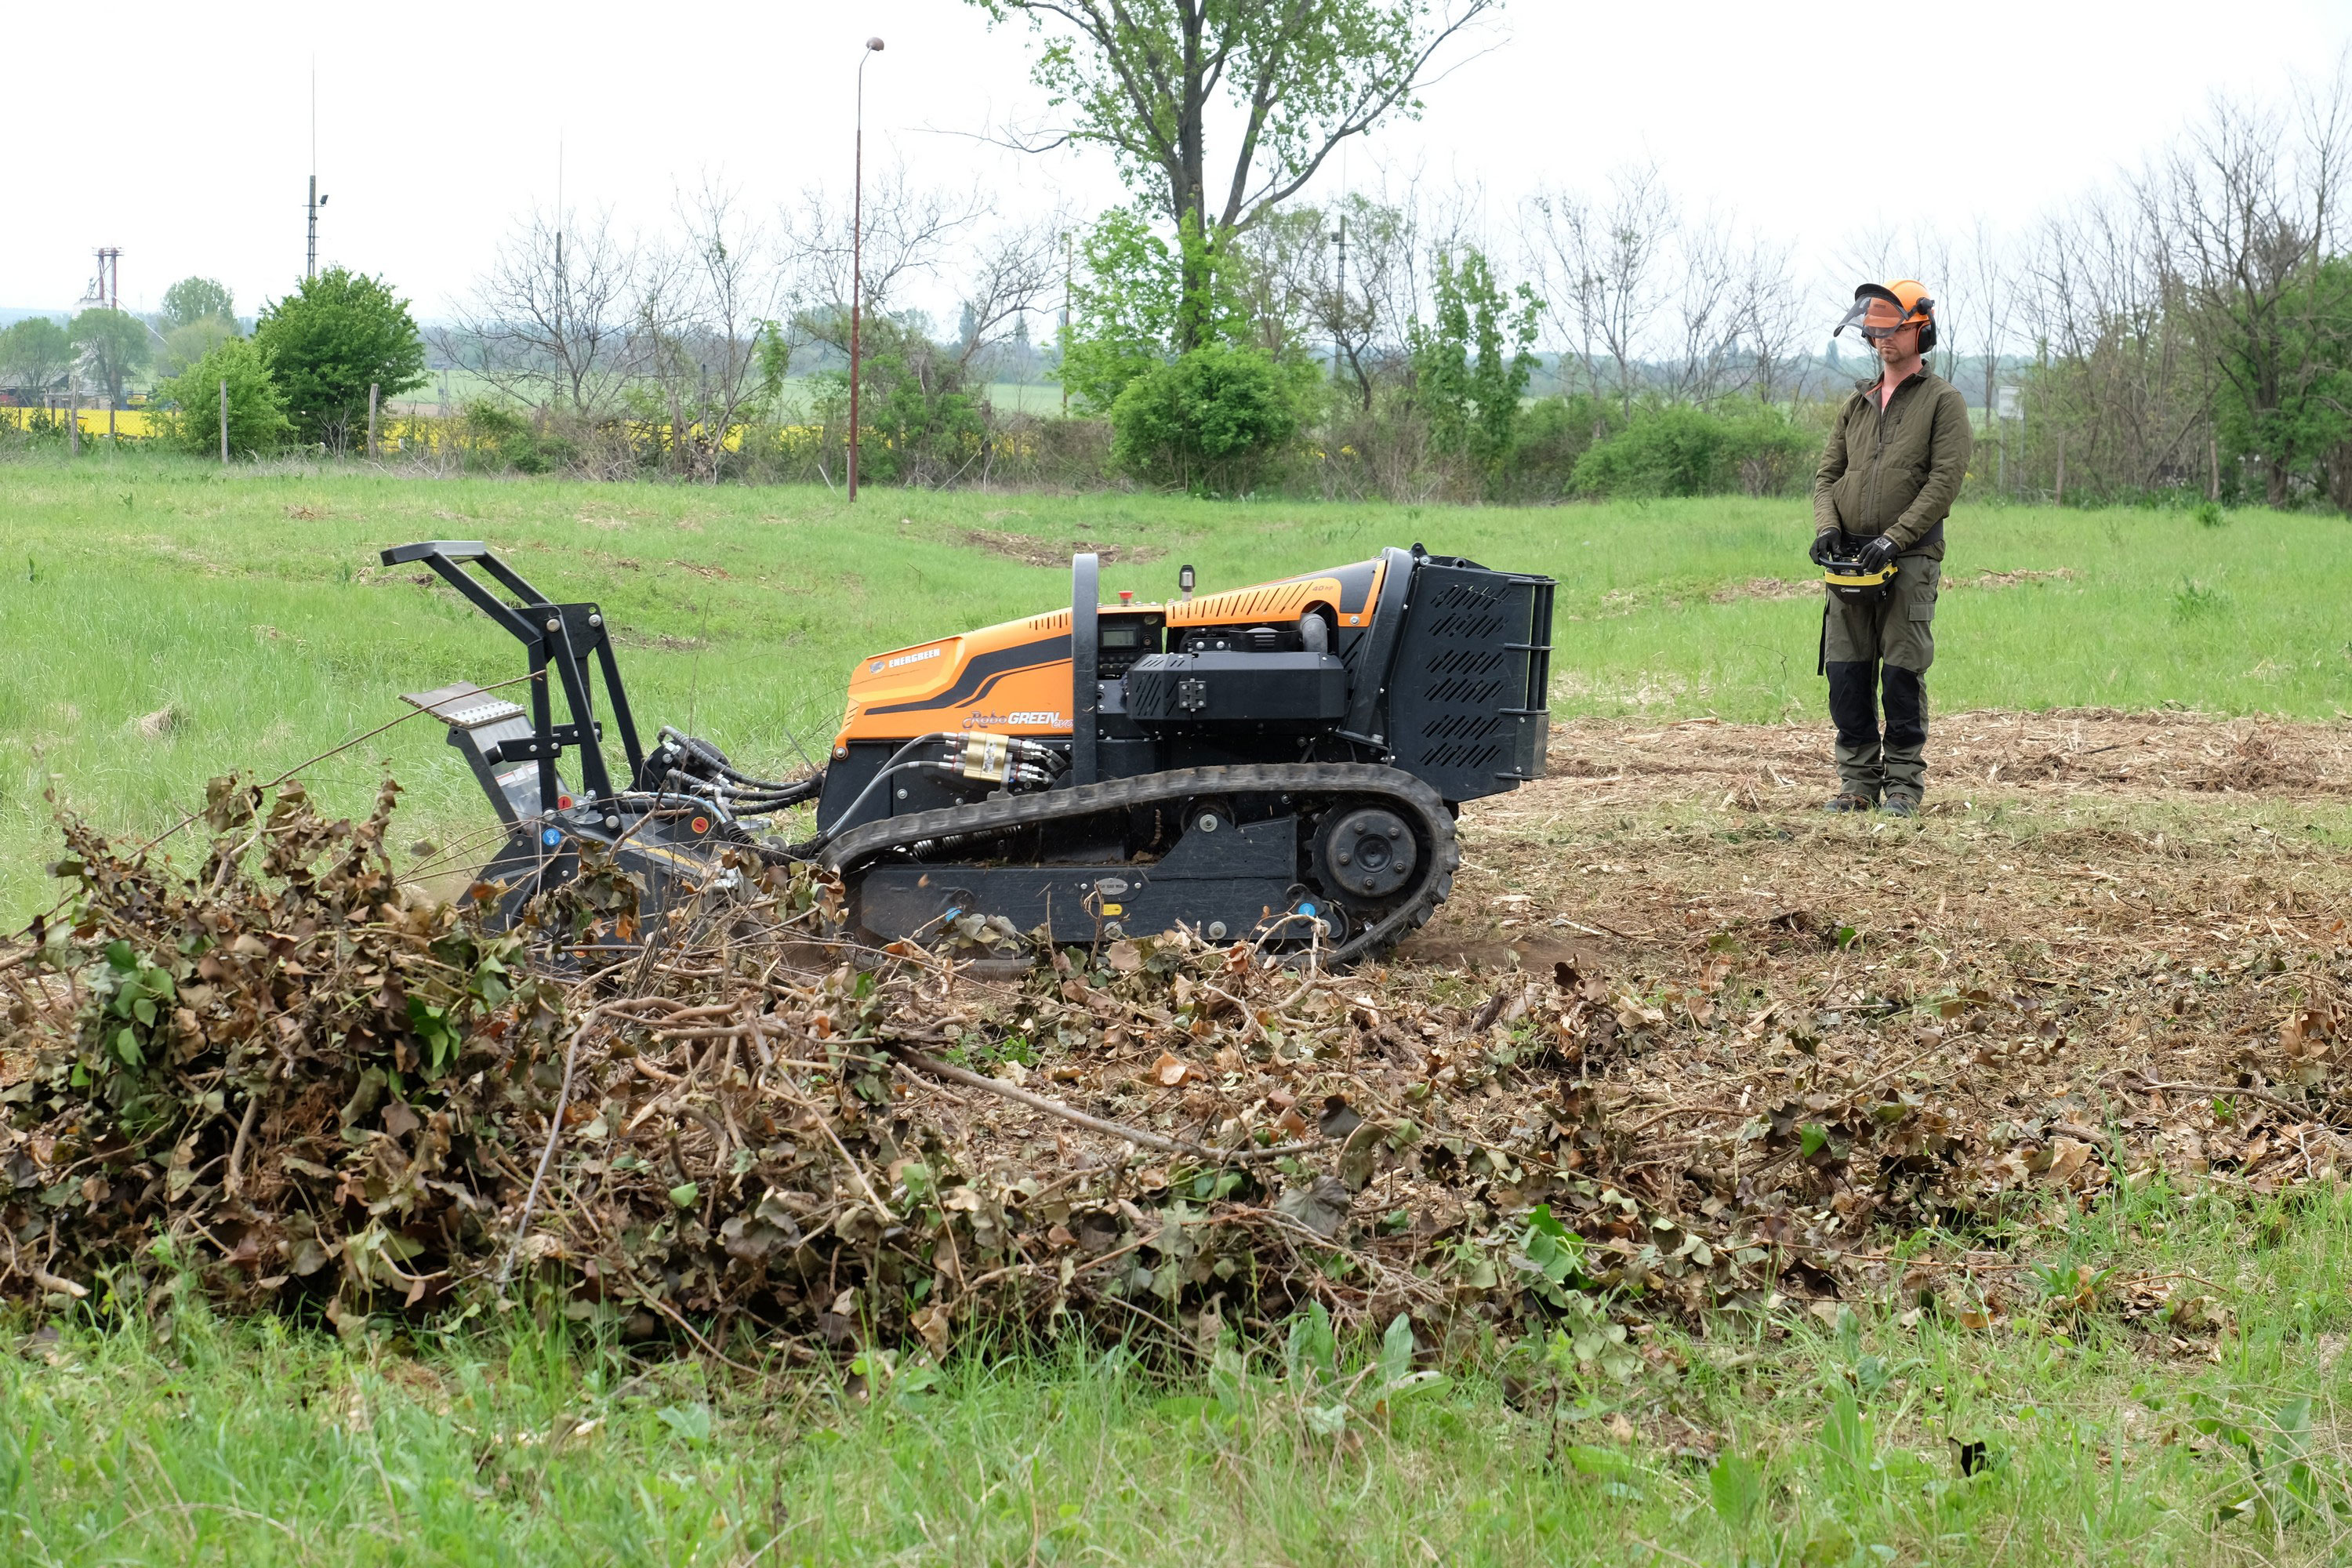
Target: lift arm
[[562, 638]]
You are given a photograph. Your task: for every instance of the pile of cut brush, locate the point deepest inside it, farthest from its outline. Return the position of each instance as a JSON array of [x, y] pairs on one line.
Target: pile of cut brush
[[320, 1091]]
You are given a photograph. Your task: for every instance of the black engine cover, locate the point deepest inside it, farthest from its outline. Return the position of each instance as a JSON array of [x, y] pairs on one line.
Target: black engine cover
[[1300, 693]]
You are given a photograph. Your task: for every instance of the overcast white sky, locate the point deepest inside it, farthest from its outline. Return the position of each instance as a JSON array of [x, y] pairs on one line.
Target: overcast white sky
[[181, 133]]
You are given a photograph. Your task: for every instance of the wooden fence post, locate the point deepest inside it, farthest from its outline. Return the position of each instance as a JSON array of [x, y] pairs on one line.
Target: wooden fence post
[[73, 416], [2060, 499], [224, 422], [371, 446]]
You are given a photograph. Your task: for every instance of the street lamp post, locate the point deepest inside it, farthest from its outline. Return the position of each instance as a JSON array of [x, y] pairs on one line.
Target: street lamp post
[[858, 256]]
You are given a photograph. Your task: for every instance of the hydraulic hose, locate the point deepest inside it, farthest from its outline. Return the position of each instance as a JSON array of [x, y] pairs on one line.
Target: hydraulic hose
[[825, 835], [1024, 765], [709, 757]]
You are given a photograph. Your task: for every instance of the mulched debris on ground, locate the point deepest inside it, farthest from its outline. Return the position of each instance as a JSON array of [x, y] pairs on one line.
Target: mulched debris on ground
[[1674, 1047]]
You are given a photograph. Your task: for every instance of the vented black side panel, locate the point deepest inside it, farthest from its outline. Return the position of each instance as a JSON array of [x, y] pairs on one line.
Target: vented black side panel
[[1467, 709]]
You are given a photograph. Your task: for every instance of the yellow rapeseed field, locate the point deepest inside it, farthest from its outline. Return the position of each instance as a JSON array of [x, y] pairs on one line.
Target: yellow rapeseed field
[[135, 423]]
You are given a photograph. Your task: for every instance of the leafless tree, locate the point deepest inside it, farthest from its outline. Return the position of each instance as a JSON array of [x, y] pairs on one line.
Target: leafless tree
[[912, 233], [2245, 207], [1015, 269], [2115, 402], [702, 308], [553, 321], [1600, 266], [1771, 318], [1286, 269], [1357, 297], [1705, 359], [1365, 305], [1983, 306]]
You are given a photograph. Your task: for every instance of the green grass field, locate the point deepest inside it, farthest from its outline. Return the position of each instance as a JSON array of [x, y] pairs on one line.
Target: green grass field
[[166, 1436], [249, 611], [246, 618]]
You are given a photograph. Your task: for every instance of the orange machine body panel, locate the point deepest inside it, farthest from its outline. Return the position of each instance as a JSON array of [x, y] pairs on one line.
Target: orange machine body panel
[[1015, 678]]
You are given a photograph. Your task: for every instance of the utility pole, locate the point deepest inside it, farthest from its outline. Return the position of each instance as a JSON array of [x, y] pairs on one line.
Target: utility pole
[[1069, 270], [858, 255], [224, 422], [108, 287]]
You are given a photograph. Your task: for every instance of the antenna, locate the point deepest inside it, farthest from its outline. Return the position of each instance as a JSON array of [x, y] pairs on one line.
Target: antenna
[[310, 264], [561, 280]]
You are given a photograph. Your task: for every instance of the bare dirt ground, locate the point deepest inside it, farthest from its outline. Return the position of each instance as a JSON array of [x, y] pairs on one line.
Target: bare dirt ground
[[2107, 814], [2113, 941]]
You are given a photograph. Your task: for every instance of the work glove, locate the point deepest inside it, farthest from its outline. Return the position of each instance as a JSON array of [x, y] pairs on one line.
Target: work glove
[[1877, 553], [1824, 550]]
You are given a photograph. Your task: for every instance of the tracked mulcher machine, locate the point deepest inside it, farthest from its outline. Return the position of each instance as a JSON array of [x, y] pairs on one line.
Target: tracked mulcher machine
[[1281, 763]]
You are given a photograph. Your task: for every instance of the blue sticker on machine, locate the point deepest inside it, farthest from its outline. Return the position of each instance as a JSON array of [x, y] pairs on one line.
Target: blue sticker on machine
[[551, 836]]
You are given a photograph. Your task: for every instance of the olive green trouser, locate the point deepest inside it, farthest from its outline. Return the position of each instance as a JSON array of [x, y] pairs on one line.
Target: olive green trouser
[[1889, 646]]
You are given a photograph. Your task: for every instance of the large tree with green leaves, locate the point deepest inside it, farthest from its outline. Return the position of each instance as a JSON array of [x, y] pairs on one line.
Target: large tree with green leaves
[[1288, 80], [193, 300], [34, 352], [184, 346], [113, 344], [328, 342]]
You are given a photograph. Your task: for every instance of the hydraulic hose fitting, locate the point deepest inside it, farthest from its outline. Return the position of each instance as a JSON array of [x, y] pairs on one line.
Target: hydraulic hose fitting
[[1004, 758]]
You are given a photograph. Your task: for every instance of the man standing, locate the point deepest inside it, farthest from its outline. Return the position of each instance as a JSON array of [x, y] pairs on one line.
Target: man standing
[[1892, 464]]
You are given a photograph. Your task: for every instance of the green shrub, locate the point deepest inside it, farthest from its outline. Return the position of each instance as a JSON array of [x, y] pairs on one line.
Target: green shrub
[[1770, 453], [499, 438], [338, 334], [1672, 451], [1471, 367], [1553, 435], [1213, 420], [256, 407], [1680, 450], [923, 418]]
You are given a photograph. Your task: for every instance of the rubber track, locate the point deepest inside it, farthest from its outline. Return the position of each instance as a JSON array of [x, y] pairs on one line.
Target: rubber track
[[849, 853]]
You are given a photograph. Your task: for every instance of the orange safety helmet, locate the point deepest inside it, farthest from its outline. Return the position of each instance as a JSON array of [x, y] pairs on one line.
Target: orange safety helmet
[[1880, 309]]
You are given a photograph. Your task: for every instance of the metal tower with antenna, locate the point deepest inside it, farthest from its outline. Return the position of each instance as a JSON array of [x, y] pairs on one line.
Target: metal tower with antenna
[[310, 265]]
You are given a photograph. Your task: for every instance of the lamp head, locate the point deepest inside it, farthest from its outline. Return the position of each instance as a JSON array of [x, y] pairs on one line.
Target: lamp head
[[874, 44]]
